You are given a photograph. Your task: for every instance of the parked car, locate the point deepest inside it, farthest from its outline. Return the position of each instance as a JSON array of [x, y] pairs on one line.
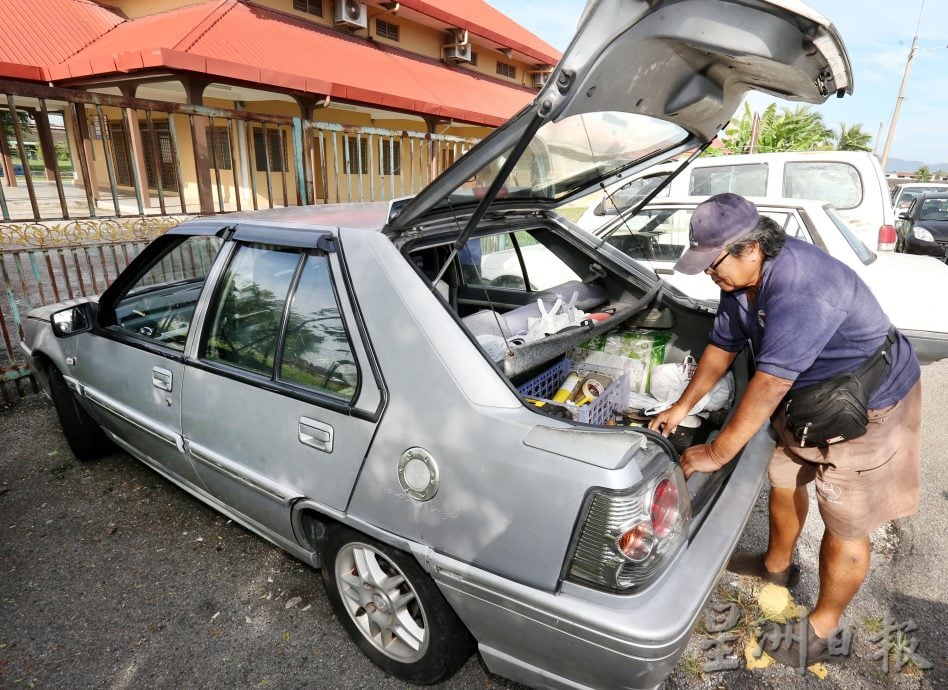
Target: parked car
[[903, 194], [924, 228], [852, 181], [299, 371], [658, 234]]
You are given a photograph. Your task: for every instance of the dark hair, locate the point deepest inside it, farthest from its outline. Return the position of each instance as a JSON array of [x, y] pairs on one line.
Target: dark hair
[[767, 234]]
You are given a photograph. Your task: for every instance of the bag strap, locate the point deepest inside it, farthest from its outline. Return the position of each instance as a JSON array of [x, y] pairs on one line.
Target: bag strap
[[874, 370]]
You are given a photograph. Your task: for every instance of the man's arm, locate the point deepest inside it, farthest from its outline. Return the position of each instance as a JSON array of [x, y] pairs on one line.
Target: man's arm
[[760, 400]]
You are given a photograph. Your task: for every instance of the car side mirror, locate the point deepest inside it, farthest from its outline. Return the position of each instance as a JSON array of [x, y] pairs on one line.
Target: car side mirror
[[73, 320], [904, 216]]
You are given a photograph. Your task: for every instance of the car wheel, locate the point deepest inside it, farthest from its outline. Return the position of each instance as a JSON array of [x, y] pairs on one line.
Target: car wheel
[[392, 609], [85, 437]]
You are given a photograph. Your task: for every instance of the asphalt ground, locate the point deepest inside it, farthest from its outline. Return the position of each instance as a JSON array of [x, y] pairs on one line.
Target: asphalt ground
[[112, 577]]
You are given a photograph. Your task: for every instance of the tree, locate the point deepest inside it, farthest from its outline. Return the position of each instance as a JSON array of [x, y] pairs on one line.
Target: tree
[[923, 174], [852, 138], [7, 119], [797, 129]]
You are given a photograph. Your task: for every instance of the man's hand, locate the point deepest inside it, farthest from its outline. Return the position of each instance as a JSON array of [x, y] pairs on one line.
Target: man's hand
[[666, 422], [701, 458]]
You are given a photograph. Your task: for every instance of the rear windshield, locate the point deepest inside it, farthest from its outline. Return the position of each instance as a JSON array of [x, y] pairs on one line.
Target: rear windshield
[[746, 180], [835, 183]]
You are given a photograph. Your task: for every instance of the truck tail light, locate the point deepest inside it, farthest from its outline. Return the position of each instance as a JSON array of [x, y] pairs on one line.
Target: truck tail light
[[626, 537], [887, 238]]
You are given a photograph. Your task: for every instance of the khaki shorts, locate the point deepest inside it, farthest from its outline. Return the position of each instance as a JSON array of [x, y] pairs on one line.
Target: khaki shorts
[[863, 483]]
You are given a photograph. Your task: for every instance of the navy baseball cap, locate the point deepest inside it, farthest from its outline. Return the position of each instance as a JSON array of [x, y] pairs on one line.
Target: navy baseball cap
[[716, 223]]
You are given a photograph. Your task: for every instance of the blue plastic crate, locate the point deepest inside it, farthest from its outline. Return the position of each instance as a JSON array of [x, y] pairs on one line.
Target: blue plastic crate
[[614, 398]]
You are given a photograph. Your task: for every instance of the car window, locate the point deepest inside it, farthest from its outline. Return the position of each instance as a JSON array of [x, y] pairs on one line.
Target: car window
[[316, 350], [661, 234], [159, 305], [835, 183], [494, 260], [654, 234], [934, 209], [790, 223], [248, 312], [748, 180], [630, 194]]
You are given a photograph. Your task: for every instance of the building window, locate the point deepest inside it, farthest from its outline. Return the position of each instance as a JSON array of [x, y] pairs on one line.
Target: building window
[[313, 7], [357, 160], [391, 159], [121, 154], [218, 141], [386, 30], [274, 152], [505, 70]]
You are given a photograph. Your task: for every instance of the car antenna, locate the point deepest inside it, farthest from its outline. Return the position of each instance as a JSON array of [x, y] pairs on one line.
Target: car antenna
[[632, 210]]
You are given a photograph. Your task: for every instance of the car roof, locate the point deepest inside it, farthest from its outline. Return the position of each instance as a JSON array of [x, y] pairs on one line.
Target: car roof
[[367, 216]]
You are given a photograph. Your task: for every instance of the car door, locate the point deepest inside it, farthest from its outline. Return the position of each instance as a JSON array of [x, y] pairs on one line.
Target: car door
[[131, 367], [280, 401]]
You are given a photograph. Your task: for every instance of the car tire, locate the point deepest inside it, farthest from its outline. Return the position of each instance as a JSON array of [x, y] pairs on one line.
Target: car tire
[[392, 609], [85, 437]]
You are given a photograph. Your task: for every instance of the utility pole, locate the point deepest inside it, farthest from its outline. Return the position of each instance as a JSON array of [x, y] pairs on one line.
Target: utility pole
[[898, 101]]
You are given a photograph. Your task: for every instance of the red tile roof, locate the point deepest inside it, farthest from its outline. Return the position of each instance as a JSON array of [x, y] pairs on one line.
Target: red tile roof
[[35, 35], [233, 40], [481, 19]]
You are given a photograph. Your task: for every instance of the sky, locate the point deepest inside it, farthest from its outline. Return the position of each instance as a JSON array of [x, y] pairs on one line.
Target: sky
[[878, 35]]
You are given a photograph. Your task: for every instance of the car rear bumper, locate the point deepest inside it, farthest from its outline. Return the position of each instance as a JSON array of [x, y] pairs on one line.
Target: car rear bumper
[[583, 638], [929, 346]]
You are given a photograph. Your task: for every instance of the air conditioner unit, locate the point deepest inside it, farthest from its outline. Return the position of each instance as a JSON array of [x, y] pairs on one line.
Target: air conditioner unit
[[459, 49], [350, 13], [540, 79], [458, 53]]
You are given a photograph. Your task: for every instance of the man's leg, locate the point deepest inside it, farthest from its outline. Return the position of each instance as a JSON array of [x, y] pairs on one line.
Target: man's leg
[[788, 508], [843, 566]]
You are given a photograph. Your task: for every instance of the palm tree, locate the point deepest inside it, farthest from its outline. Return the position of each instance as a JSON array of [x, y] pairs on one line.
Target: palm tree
[[797, 129], [852, 138], [923, 174]]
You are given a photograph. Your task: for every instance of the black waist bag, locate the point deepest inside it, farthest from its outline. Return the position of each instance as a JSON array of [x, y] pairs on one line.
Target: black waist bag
[[837, 410]]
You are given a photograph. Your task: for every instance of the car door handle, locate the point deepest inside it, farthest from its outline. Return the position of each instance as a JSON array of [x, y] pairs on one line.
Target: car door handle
[[315, 434], [161, 378]]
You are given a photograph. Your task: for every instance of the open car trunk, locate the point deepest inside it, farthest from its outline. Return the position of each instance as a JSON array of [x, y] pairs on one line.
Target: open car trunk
[[592, 366]]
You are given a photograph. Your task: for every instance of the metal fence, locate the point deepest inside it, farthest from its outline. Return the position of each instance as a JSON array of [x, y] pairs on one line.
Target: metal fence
[[107, 173]]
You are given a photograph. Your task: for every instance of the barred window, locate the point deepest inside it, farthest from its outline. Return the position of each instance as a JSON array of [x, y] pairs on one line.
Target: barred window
[[391, 162], [313, 7], [505, 70], [218, 141], [357, 162], [386, 30], [274, 150]]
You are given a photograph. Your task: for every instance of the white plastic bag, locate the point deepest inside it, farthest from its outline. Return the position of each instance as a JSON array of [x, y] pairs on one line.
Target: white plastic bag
[[554, 320], [670, 380]]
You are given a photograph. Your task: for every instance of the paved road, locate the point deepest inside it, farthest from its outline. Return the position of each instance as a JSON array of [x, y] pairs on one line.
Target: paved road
[[110, 577]]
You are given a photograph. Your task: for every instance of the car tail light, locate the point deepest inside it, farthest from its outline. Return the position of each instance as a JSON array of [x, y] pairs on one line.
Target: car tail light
[[626, 537], [664, 508], [887, 237]]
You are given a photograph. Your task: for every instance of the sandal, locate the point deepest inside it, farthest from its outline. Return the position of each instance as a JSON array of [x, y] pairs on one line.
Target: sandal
[[784, 642], [752, 564]]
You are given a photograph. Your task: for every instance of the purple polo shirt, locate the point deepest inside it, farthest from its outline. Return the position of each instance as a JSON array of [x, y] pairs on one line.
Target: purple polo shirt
[[814, 319]]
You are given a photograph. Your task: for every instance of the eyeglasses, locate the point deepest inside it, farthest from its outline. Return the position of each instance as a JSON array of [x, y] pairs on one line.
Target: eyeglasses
[[713, 268]]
